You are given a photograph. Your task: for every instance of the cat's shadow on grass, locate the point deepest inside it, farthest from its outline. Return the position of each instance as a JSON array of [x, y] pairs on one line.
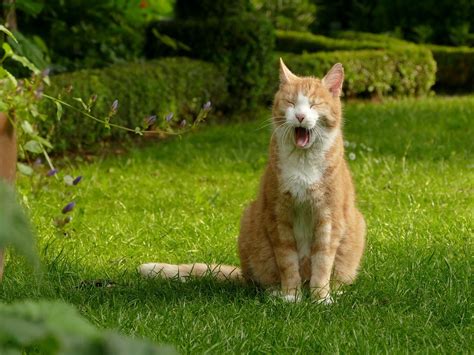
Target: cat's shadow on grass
[[131, 287]]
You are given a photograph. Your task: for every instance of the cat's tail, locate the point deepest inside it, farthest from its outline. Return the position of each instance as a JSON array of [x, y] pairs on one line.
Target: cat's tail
[[184, 271]]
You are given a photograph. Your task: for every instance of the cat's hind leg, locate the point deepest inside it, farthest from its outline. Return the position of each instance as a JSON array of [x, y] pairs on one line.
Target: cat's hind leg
[[349, 253]]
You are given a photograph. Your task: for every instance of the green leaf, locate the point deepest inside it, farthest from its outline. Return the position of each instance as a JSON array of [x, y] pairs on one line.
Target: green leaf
[[170, 42], [26, 63], [5, 73], [34, 147], [78, 99], [15, 230], [44, 142], [7, 32], [46, 80], [27, 127], [59, 110], [8, 50], [24, 169]]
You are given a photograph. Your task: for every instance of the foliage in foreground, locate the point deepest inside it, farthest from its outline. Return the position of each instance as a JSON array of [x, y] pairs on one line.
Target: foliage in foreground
[[15, 229], [48, 327]]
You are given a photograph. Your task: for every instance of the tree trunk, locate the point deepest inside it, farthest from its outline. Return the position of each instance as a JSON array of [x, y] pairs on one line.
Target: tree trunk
[[7, 161], [9, 14]]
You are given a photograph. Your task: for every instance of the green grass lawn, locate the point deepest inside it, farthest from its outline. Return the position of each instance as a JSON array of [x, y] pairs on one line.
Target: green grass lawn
[[180, 201]]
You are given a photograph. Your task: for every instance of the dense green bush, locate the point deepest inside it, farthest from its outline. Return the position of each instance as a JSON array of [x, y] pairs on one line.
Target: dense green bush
[[178, 85], [204, 9], [396, 72], [89, 33], [296, 15], [242, 45], [455, 68]]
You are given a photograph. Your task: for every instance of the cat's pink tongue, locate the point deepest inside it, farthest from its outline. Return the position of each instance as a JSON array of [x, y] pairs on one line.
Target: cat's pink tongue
[[301, 137]]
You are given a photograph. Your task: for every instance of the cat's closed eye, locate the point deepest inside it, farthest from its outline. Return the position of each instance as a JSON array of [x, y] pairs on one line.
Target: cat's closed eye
[[290, 103], [316, 104]]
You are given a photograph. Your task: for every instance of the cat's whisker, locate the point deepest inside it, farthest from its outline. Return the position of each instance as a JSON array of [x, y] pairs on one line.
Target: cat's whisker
[[266, 125], [270, 121]]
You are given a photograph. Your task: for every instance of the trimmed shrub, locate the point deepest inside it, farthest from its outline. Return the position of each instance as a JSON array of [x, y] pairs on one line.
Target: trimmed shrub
[[204, 9], [299, 42], [178, 85], [400, 72], [455, 68], [379, 38], [455, 65], [242, 46]]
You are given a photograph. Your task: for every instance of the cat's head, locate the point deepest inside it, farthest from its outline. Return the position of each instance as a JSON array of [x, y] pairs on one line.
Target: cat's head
[[307, 108]]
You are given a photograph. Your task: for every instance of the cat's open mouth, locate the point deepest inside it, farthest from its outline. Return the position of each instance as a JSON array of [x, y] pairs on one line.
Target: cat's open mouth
[[301, 137]]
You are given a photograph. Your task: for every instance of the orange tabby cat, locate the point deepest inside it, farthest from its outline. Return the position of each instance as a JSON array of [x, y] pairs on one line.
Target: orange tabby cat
[[304, 225]]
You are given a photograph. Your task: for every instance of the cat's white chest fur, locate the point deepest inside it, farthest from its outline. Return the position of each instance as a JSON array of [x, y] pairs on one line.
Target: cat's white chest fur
[[303, 229]]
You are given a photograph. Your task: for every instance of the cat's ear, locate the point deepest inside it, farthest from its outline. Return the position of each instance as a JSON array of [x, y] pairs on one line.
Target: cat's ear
[[334, 79], [285, 74]]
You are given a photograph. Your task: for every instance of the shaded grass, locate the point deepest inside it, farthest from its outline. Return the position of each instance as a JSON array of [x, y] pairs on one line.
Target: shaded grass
[[181, 200]]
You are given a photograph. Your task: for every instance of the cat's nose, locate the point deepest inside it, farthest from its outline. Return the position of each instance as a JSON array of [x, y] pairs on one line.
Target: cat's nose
[[300, 116]]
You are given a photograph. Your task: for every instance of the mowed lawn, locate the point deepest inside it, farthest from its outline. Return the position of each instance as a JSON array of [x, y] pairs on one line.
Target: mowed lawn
[[180, 201]]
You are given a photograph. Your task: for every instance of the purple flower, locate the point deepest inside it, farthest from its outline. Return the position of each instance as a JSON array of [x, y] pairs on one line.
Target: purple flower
[[45, 72], [207, 105], [52, 172], [114, 106], [77, 180], [169, 117], [183, 123], [150, 120], [69, 207]]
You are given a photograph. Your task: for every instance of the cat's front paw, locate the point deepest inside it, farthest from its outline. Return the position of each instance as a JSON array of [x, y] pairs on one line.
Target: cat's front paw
[[327, 300], [321, 296], [290, 296]]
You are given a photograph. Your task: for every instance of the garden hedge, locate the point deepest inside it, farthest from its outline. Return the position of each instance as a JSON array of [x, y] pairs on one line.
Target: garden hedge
[[455, 65], [380, 38], [396, 72], [455, 68], [242, 46], [299, 42], [178, 85]]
